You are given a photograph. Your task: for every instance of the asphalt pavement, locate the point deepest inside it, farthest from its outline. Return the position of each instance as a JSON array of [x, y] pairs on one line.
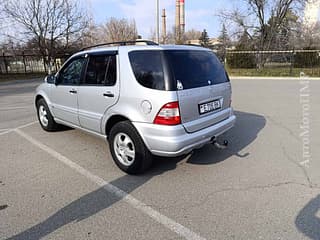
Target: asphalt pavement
[[265, 185]]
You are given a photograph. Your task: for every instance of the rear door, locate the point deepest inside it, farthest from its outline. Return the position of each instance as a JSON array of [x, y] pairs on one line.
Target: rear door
[[64, 92], [99, 90], [203, 88]]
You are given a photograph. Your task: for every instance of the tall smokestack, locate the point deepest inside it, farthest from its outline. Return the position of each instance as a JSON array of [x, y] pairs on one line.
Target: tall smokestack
[[177, 26], [182, 17], [164, 26]]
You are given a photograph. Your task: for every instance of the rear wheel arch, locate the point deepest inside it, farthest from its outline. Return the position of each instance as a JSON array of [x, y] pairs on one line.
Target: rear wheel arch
[[128, 149], [113, 120]]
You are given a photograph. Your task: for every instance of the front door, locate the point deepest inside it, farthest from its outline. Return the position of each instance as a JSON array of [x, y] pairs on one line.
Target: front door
[[64, 93]]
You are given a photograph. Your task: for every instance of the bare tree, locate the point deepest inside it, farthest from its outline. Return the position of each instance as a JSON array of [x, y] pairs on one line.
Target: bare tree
[[170, 37], [93, 34], [270, 16], [49, 22], [120, 30], [309, 36], [1, 20], [192, 34]]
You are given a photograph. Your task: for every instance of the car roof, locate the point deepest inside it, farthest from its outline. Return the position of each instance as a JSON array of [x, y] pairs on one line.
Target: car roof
[[142, 47]]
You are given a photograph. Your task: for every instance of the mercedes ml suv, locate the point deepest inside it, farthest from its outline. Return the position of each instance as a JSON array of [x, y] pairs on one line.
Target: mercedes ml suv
[[144, 99]]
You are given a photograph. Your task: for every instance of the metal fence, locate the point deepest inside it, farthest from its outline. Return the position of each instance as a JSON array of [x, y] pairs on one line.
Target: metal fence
[[241, 63], [27, 63], [273, 63]]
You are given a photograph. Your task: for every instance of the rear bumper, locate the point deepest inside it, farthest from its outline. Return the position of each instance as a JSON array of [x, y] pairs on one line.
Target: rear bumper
[[171, 141]]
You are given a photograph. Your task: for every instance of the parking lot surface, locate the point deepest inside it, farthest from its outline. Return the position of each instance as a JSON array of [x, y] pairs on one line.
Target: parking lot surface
[[64, 185]]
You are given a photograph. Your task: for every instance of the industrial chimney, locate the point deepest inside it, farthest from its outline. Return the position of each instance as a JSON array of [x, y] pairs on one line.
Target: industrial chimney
[[182, 17], [177, 26]]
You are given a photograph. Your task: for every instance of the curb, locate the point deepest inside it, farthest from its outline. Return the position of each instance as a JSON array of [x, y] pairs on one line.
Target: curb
[[275, 78]]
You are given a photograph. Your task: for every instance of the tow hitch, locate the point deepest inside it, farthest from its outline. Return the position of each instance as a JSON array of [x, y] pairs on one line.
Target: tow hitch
[[223, 145]]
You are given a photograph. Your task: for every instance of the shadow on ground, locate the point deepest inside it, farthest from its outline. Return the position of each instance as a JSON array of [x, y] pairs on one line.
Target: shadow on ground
[[307, 220], [244, 133], [246, 130]]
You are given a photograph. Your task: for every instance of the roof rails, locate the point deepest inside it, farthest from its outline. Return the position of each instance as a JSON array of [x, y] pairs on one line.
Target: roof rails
[[191, 44], [122, 43]]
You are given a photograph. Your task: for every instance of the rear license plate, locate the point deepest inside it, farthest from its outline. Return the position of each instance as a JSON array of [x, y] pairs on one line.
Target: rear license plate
[[209, 106]]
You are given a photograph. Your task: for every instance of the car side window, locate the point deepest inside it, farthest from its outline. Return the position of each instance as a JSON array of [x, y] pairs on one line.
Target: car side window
[[147, 68], [71, 74], [101, 70]]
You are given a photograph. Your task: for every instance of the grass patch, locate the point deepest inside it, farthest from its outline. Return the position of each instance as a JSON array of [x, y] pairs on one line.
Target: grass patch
[[20, 76], [273, 72]]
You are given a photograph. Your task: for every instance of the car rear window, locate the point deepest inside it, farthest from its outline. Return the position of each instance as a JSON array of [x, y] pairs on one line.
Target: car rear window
[[147, 68], [193, 69]]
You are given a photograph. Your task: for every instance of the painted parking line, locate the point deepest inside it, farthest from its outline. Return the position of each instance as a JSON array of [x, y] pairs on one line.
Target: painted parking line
[[13, 129], [135, 203], [13, 108], [5, 129]]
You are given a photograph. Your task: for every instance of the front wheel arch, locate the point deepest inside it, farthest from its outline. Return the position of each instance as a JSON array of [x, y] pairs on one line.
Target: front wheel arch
[[38, 97], [51, 125], [42, 95]]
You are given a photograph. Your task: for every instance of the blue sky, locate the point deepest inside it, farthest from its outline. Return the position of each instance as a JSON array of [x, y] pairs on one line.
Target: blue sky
[[200, 14]]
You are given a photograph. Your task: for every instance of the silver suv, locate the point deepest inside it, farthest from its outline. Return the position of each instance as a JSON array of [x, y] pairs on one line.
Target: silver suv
[[146, 100]]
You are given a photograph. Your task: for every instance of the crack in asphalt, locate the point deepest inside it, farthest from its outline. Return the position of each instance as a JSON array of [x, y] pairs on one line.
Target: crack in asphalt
[[304, 171], [286, 154], [280, 125]]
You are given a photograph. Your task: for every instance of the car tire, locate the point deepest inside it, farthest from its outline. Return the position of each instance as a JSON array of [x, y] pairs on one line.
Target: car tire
[[128, 149], [44, 116]]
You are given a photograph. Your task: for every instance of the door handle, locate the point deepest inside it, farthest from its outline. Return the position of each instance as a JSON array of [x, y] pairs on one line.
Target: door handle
[[73, 91], [108, 94]]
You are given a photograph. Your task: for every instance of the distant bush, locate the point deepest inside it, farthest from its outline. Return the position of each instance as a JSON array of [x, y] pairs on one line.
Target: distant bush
[[241, 60], [306, 59]]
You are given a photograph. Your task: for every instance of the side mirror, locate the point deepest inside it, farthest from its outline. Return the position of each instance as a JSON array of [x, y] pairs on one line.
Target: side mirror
[[50, 79]]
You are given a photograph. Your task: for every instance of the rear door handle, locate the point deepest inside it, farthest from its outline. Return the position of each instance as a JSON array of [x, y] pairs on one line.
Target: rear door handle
[[73, 91], [108, 94]]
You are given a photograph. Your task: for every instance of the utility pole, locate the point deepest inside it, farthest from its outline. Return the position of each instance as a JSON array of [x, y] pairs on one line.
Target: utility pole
[[164, 26], [157, 22]]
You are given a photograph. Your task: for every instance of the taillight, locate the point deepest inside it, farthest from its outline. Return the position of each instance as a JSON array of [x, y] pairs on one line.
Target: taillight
[[169, 114]]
